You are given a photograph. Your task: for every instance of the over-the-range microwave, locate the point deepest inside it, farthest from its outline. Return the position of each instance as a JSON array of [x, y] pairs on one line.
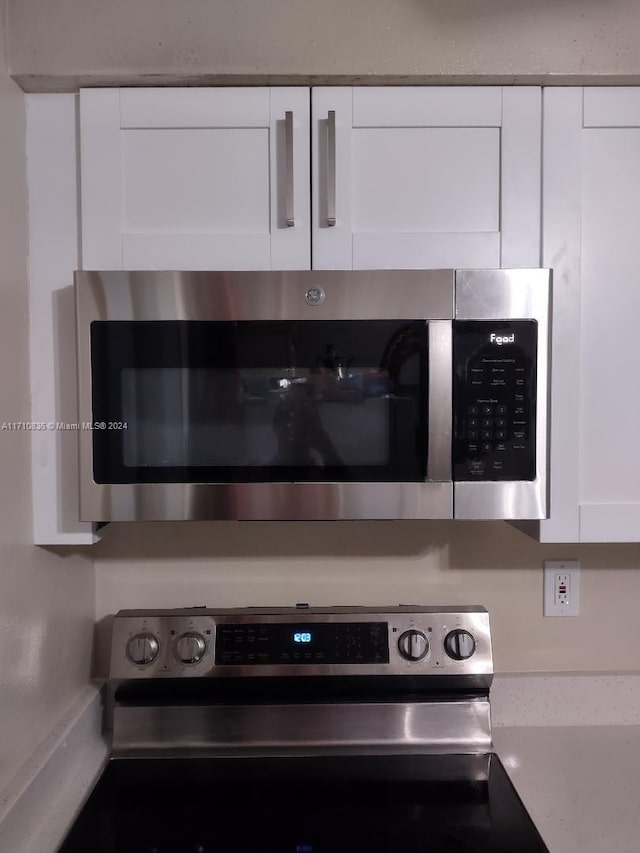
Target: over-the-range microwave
[[382, 394]]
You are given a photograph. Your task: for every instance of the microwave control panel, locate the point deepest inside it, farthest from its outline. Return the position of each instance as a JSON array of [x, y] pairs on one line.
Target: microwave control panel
[[494, 402]]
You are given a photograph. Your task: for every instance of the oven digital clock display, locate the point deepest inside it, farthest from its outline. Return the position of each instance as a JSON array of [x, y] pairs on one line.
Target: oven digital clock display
[[302, 637], [301, 644]]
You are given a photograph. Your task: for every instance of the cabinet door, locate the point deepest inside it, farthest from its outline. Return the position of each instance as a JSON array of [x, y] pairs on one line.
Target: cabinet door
[[195, 178], [423, 177], [591, 192]]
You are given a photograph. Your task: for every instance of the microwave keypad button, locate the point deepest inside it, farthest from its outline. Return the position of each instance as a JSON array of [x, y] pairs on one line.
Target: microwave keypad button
[[487, 434], [501, 423], [472, 434], [501, 410], [486, 410], [487, 447], [500, 435], [486, 423], [473, 423], [472, 411]]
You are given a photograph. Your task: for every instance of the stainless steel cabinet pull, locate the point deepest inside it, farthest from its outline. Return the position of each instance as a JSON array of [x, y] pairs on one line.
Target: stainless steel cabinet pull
[[288, 146], [331, 167]]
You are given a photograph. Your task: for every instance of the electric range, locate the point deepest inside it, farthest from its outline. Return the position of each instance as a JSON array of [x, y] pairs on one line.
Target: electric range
[[302, 730]]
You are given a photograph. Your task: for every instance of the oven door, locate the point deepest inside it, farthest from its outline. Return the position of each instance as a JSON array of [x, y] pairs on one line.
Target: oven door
[[267, 418]]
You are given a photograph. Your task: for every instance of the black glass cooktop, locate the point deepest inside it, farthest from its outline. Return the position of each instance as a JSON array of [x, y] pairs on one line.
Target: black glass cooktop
[[346, 804]]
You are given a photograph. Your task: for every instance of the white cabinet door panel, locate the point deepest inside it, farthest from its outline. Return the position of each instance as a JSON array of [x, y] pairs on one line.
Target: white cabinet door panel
[[429, 106], [608, 106], [591, 239], [218, 183], [398, 172], [194, 107], [425, 251], [428, 177], [193, 179], [610, 306]]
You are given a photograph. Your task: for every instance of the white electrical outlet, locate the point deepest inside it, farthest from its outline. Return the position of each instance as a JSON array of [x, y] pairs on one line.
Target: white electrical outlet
[[561, 588]]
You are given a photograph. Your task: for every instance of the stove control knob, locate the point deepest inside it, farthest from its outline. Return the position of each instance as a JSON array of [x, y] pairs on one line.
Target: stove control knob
[[190, 647], [413, 645], [459, 644], [142, 648]]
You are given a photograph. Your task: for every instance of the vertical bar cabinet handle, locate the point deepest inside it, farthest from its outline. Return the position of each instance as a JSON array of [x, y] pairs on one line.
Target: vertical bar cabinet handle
[[440, 400], [288, 145], [331, 167]]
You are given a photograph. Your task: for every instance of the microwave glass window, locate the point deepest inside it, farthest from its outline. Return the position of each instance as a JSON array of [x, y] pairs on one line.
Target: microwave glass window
[[260, 401], [203, 417]]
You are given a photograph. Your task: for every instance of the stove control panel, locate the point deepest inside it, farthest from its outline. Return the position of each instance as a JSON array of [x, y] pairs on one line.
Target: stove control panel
[[305, 642]]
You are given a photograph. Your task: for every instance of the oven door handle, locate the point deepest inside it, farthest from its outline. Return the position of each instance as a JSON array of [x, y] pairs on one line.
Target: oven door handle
[[440, 411]]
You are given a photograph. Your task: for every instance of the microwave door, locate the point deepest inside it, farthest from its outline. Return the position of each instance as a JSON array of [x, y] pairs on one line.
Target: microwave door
[[272, 419]]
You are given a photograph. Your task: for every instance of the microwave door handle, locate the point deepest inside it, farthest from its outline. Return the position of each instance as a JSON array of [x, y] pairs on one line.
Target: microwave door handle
[[288, 146], [440, 412]]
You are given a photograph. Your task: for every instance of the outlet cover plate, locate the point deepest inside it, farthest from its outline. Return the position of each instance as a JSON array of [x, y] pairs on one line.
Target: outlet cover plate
[[553, 569]]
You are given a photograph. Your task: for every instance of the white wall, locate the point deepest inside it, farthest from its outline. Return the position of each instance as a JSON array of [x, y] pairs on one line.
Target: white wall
[[56, 44], [46, 600]]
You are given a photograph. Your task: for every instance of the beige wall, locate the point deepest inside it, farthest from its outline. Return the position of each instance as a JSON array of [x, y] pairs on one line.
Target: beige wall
[[46, 601], [237, 564], [57, 44]]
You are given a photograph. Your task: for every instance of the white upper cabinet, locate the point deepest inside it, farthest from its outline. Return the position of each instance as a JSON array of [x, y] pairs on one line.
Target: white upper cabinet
[[591, 192], [424, 177], [195, 178], [404, 177]]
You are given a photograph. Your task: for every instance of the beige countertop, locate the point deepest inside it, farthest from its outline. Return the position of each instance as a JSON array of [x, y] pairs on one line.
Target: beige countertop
[[580, 784]]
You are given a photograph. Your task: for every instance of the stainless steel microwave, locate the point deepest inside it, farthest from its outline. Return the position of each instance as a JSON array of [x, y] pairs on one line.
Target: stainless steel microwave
[[382, 394]]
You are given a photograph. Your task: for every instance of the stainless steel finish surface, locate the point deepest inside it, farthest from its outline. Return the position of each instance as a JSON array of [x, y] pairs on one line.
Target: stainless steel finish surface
[[440, 401], [288, 146], [350, 295], [415, 719], [434, 623], [190, 647], [331, 168], [460, 644], [504, 295], [358, 295], [425, 727], [142, 649], [376, 294], [259, 501], [413, 645]]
